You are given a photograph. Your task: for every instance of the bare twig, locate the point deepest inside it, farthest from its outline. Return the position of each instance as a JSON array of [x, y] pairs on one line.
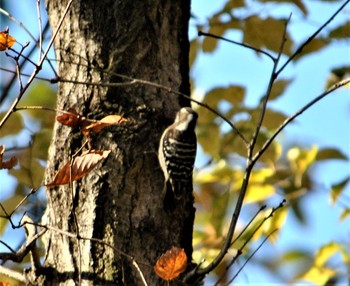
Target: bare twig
[[251, 256], [100, 241], [40, 28], [291, 118], [268, 92], [303, 45], [12, 274], [133, 81], [37, 69], [200, 33]]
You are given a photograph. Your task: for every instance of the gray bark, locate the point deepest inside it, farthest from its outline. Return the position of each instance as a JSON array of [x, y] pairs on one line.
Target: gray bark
[[121, 200]]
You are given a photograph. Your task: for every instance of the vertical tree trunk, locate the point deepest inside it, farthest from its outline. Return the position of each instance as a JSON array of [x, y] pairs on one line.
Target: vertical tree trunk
[[120, 201]]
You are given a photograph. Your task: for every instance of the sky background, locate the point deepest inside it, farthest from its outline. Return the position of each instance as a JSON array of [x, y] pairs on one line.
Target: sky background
[[325, 124]]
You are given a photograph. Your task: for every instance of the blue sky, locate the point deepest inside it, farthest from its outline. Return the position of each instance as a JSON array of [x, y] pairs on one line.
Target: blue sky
[[325, 124]]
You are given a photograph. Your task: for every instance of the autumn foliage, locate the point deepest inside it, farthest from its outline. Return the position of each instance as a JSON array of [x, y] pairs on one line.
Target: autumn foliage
[[171, 264]]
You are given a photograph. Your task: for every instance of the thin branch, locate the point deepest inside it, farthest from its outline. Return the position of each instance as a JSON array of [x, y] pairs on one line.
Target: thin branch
[[37, 69], [133, 81], [295, 115], [12, 274], [251, 256], [244, 186], [40, 28], [268, 92], [100, 241], [303, 45], [240, 250], [200, 33]]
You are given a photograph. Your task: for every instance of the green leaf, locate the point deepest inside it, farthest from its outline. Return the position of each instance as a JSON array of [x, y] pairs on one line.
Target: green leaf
[[338, 189], [41, 94], [266, 33], [233, 94], [330, 154], [336, 75], [345, 214], [208, 137], [314, 46], [40, 143], [297, 3], [30, 173], [341, 32], [13, 125], [231, 4], [273, 119], [218, 28], [278, 88], [193, 51]]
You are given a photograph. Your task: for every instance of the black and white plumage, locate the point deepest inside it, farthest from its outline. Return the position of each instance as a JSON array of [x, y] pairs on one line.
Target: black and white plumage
[[177, 151]]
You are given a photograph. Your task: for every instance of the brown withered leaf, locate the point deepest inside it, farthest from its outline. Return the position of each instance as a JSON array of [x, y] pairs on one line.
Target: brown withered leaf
[[171, 264], [6, 164], [79, 167], [71, 119], [6, 41], [109, 120]]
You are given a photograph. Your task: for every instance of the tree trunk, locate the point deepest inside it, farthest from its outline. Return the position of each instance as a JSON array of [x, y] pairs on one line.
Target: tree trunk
[[121, 201]]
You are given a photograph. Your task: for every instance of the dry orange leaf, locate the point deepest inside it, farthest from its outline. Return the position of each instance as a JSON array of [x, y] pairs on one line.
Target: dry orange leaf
[[79, 167], [171, 264], [71, 119], [109, 120], [6, 40], [6, 164]]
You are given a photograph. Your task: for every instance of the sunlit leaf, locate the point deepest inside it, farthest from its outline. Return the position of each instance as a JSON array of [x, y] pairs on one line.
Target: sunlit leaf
[[326, 252], [338, 189], [276, 222], [171, 264], [300, 160], [258, 189], [345, 214], [319, 275], [71, 119], [6, 40], [106, 121], [79, 167]]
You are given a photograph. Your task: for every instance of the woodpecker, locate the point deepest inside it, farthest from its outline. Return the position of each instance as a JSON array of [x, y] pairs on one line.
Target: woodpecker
[[177, 151]]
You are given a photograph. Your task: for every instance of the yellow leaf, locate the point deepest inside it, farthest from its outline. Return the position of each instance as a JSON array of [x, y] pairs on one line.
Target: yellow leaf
[[326, 252], [6, 41], [319, 275]]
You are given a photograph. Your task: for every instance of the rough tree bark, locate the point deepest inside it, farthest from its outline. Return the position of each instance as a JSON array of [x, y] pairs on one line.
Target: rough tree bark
[[121, 201]]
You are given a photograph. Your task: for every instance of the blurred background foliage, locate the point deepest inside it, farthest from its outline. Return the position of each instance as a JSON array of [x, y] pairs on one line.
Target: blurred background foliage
[[285, 171]]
